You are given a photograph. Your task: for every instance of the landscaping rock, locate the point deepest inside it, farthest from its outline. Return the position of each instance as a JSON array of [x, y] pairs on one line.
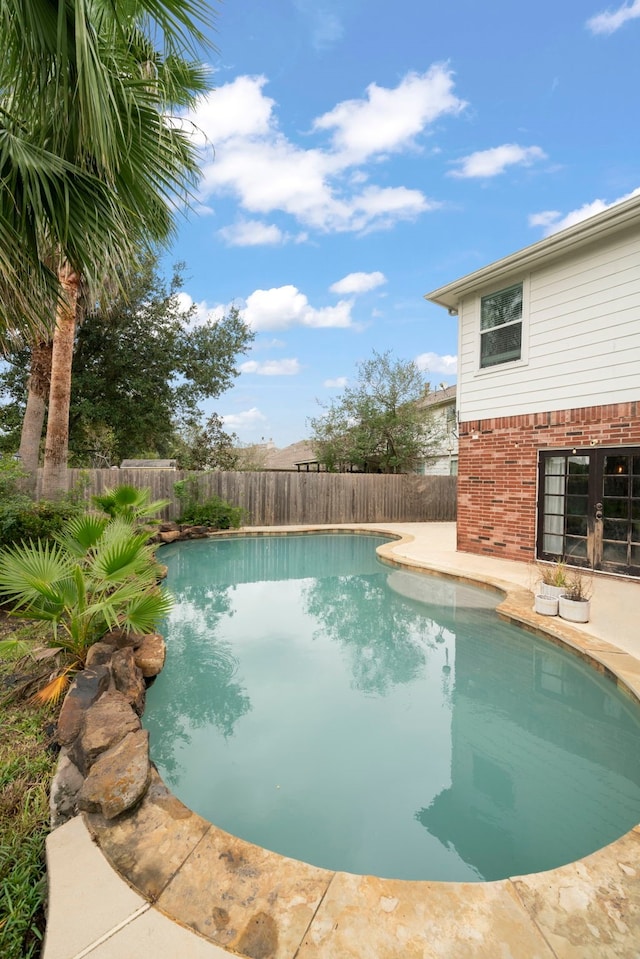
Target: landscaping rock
[[128, 678], [119, 778], [170, 536], [196, 532], [108, 721], [150, 655], [86, 688], [121, 638], [99, 655], [168, 526], [66, 784], [163, 572]]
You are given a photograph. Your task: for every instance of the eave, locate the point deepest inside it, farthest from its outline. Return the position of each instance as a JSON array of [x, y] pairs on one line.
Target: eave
[[612, 220]]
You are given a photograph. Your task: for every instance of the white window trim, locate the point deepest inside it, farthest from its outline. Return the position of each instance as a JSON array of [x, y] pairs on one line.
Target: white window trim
[[524, 343]]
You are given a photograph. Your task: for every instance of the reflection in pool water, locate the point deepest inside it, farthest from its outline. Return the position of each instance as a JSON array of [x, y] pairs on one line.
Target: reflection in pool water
[[363, 718]]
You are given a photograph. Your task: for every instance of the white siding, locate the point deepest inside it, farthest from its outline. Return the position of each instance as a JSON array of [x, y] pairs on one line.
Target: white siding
[[581, 335], [446, 449]]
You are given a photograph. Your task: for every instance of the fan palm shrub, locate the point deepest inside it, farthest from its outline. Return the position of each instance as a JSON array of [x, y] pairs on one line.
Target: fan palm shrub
[[99, 574], [130, 503]]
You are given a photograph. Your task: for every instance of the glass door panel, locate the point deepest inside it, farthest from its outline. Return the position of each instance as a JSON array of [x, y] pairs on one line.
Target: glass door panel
[[589, 508], [565, 507]]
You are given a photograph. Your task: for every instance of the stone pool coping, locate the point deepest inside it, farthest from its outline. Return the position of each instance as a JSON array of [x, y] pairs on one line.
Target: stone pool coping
[[252, 902]]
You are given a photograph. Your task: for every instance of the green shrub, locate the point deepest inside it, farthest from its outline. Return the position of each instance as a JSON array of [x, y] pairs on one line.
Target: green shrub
[[212, 511], [22, 520]]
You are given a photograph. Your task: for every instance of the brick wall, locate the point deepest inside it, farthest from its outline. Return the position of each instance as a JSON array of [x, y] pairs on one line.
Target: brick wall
[[497, 470]]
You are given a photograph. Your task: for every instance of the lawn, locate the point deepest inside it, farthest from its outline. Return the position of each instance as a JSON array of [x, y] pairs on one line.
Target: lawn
[[27, 762]]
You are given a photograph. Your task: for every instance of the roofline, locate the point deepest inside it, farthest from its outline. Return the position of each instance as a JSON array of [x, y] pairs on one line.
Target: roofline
[[611, 220]]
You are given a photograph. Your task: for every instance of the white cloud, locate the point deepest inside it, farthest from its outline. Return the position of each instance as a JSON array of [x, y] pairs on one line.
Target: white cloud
[[237, 109], [322, 187], [434, 363], [252, 233], [612, 20], [246, 419], [487, 163], [338, 383], [389, 120], [554, 221], [544, 218], [202, 313], [282, 307], [290, 367], [358, 282]]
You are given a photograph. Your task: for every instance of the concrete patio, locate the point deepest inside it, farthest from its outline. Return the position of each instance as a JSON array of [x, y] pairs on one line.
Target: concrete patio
[[166, 883]]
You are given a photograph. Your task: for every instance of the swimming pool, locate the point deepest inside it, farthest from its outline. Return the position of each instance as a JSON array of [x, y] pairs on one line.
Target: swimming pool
[[372, 720]]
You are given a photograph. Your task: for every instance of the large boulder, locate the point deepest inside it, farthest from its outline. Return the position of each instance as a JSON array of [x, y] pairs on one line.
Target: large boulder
[[108, 721], [128, 678], [170, 536], [66, 785], [86, 688], [150, 655], [118, 780]]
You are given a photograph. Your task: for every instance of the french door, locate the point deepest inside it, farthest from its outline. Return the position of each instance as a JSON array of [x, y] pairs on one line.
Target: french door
[[589, 508]]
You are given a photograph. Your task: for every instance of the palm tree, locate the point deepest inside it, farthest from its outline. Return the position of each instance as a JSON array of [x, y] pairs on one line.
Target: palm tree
[[91, 165]]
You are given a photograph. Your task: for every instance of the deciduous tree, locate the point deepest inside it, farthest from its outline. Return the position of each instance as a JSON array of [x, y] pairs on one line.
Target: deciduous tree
[[377, 425]]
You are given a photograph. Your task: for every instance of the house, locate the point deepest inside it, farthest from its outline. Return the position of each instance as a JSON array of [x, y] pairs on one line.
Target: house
[[299, 456], [549, 397], [441, 407]]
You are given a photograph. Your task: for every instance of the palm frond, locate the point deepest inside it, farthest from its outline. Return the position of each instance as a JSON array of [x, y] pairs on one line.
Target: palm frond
[[55, 689], [32, 573], [82, 533], [15, 648]]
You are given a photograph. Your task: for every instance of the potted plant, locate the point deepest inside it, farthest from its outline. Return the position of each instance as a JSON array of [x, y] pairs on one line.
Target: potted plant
[[575, 601], [553, 578], [551, 583]]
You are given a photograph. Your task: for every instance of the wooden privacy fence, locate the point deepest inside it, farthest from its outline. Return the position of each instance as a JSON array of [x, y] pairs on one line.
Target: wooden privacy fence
[[286, 499]]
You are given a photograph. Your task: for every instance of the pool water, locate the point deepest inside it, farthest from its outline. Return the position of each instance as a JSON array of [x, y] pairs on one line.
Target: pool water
[[361, 718]]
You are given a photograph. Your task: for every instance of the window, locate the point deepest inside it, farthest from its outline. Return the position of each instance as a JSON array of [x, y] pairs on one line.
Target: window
[[501, 326]]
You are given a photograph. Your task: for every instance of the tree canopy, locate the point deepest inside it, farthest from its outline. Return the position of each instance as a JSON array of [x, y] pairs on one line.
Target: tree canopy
[[378, 424], [141, 368]]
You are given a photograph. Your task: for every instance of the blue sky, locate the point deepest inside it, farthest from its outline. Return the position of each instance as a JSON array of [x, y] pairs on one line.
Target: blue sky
[[358, 154]]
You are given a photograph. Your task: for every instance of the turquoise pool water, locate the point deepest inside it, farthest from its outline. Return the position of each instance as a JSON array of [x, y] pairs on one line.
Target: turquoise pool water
[[362, 718]]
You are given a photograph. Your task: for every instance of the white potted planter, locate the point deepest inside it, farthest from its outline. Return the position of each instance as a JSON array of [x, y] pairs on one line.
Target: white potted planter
[[574, 610], [550, 592], [546, 605]]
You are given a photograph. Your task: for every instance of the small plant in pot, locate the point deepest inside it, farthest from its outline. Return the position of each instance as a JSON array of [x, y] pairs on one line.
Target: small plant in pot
[[552, 580], [575, 601]]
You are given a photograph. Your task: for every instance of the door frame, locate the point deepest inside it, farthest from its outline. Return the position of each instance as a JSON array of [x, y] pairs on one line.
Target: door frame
[[594, 516]]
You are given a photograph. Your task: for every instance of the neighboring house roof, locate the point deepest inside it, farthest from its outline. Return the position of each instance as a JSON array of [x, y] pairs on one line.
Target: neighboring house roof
[[290, 457], [612, 220], [148, 464], [436, 398]]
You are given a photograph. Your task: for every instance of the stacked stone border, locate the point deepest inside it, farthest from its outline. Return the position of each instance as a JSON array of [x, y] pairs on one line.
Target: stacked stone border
[[104, 764]]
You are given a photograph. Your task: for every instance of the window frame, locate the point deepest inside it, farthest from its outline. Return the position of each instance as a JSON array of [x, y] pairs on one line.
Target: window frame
[[522, 360]]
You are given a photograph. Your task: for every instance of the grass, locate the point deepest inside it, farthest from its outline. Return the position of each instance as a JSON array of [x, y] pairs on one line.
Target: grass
[[27, 764]]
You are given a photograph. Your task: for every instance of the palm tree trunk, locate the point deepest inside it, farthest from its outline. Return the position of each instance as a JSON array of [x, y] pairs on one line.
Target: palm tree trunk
[[54, 476], [33, 421]]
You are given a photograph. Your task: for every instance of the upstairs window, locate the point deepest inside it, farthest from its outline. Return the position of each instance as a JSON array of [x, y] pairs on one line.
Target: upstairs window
[[501, 326]]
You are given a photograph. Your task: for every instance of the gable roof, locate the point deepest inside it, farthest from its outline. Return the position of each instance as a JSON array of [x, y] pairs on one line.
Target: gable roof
[[444, 397], [612, 220], [290, 456]]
